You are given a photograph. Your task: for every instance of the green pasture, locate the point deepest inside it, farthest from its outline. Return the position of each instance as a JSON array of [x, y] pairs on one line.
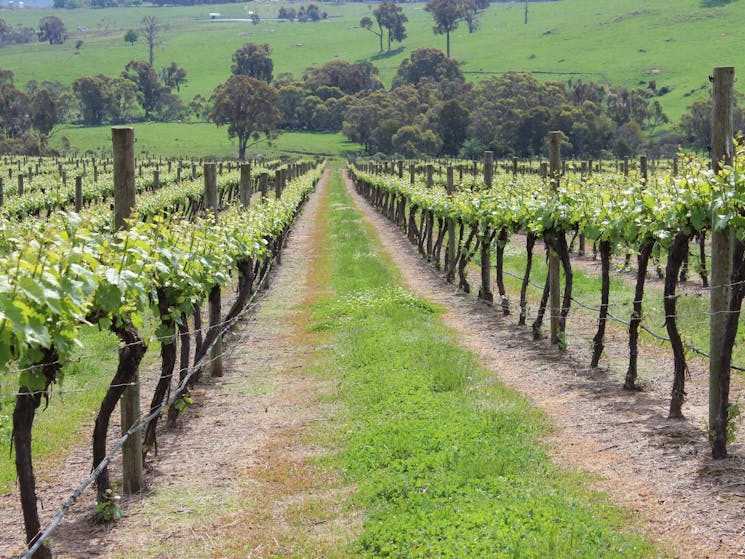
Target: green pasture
[[200, 139], [624, 42]]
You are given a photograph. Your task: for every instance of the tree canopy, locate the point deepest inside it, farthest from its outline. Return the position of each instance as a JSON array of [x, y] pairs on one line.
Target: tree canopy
[[253, 60], [248, 107]]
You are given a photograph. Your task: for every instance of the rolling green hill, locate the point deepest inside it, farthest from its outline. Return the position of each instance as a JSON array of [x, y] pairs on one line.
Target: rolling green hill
[[625, 42]]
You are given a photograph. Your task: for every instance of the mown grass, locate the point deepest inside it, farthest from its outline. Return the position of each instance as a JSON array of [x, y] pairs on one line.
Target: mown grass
[[625, 42], [448, 462], [203, 140]]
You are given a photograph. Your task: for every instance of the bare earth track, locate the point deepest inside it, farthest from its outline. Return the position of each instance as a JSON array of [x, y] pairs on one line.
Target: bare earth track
[[237, 478]]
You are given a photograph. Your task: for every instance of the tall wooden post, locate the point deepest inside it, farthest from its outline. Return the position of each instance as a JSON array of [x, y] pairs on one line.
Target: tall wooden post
[[722, 243], [430, 171], [554, 139], [245, 185], [78, 193], [450, 254], [20, 184], [123, 140], [210, 202], [643, 168], [485, 292], [2, 193], [488, 168], [277, 184], [412, 173], [156, 179]]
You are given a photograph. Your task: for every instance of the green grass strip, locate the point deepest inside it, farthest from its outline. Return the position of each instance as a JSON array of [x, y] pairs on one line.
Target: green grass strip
[[447, 462]]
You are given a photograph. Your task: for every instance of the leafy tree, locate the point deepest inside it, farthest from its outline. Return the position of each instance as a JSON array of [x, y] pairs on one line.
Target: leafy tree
[[148, 84], [248, 107], [14, 109], [131, 37], [472, 9], [382, 136], [45, 113], [5, 31], [290, 100], [447, 14], [198, 107], [122, 96], [391, 18], [313, 13], [173, 76], [696, 123], [349, 78], [367, 23], [412, 141], [428, 64], [253, 60], [52, 29], [170, 107], [93, 94], [452, 126], [287, 13], [151, 30], [363, 116]]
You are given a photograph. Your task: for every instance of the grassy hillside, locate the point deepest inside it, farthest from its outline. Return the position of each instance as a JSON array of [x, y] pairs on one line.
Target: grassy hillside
[[626, 42]]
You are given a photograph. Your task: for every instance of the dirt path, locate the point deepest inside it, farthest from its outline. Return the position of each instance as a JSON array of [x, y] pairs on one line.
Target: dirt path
[[658, 468], [231, 480]]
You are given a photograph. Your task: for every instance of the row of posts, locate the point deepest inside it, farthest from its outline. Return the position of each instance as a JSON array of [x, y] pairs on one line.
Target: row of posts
[[281, 177], [124, 204]]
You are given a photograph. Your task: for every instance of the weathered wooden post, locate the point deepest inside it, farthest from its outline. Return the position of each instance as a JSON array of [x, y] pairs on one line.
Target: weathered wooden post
[[514, 166], [554, 139], [488, 168], [412, 173], [210, 203], [245, 185], [278, 184], [722, 245], [124, 203], [450, 262], [78, 193], [430, 171], [20, 184], [625, 165], [2, 193], [485, 292], [156, 179], [643, 169]]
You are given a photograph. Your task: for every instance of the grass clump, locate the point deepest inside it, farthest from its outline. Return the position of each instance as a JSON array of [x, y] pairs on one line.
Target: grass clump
[[447, 462]]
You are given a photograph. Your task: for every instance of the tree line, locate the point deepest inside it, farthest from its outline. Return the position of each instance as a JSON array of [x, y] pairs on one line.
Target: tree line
[[429, 110], [51, 29]]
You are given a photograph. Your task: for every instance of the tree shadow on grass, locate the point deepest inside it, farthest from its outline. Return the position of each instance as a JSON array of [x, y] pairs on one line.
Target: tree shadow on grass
[[715, 3], [387, 54]]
